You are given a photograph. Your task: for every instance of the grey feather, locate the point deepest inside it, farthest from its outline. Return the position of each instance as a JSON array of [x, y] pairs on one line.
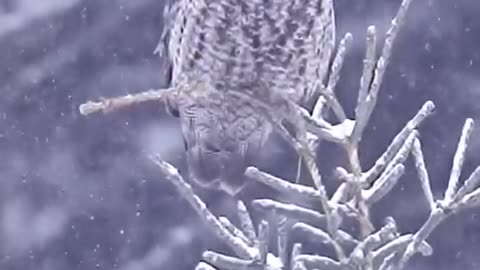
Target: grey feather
[[249, 46]]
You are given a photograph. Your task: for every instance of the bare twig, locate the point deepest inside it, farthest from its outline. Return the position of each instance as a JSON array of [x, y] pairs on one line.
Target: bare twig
[[117, 103]]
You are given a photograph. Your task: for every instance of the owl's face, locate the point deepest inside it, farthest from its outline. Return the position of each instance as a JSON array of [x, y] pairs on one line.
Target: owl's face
[[220, 135], [216, 163]]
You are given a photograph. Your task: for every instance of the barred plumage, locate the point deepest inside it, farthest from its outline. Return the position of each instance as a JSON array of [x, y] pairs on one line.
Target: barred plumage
[[250, 46]]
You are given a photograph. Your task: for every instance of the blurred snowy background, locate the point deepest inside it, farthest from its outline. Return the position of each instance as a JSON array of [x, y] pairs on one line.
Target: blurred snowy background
[[78, 192]]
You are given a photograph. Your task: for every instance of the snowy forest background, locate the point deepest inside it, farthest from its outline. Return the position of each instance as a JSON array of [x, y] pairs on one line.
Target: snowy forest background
[[79, 192]]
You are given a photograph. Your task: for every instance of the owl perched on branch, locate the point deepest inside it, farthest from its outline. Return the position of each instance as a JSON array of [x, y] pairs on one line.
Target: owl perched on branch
[[241, 46]]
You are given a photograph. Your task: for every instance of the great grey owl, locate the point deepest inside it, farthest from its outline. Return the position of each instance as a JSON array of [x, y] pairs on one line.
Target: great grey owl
[[241, 45]]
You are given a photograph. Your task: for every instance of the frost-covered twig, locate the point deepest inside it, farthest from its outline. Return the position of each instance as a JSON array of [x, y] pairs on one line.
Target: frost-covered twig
[[383, 185], [204, 266], [238, 245], [458, 159], [397, 142], [246, 223], [368, 67], [422, 173], [283, 225], [365, 109], [449, 204], [468, 187], [222, 261], [252, 253], [361, 255], [396, 246], [315, 234], [282, 185], [291, 211], [318, 262], [328, 92], [236, 231]]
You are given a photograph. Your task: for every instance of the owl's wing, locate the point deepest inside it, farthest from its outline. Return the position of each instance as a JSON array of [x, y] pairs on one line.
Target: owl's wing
[[283, 43], [171, 9]]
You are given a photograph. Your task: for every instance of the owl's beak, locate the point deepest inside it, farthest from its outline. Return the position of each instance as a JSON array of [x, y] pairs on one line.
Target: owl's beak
[[222, 171]]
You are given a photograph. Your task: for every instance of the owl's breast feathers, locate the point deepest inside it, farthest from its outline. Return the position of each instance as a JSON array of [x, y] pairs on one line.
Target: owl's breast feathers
[[284, 43]]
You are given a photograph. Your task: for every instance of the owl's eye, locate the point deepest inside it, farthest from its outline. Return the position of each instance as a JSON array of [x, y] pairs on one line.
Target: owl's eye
[[211, 147], [185, 144], [169, 75], [172, 110]]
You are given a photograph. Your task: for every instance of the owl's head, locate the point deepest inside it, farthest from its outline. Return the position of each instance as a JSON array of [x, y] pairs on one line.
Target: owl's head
[[216, 163], [217, 155]]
